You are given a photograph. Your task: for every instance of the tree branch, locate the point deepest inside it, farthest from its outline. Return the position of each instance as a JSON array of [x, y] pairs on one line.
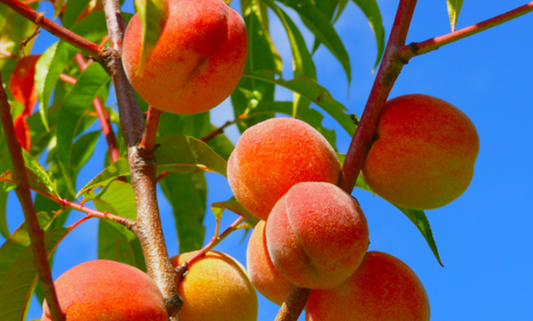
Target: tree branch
[[389, 70], [35, 231], [55, 29], [415, 49], [142, 166], [152, 121]]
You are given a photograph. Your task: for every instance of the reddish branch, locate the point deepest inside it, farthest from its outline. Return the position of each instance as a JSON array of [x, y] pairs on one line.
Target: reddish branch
[[388, 72], [215, 240], [150, 132], [55, 29], [35, 231], [142, 166], [414, 49]]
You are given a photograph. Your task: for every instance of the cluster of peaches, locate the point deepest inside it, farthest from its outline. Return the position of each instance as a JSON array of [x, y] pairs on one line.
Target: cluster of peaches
[[311, 233]]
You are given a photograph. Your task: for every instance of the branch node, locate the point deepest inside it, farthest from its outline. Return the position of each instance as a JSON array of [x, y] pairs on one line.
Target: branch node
[[174, 304], [39, 17]]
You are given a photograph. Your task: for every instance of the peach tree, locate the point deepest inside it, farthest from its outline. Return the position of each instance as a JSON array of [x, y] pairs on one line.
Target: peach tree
[[43, 149]]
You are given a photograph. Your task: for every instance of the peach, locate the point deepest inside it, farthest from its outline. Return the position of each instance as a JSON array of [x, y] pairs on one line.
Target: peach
[[317, 235], [274, 155], [264, 276], [216, 288], [108, 291], [423, 152], [198, 60], [383, 289]]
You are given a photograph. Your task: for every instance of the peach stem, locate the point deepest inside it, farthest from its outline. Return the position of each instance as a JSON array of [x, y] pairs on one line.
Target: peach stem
[[22, 190], [150, 131]]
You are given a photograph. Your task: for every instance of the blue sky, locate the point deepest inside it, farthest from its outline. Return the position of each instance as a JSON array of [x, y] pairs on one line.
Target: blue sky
[[485, 236]]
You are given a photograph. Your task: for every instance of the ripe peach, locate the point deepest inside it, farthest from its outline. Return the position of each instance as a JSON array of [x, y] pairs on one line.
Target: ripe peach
[[198, 60], [317, 235], [108, 291], [216, 288], [383, 289], [272, 156], [264, 276], [423, 152]]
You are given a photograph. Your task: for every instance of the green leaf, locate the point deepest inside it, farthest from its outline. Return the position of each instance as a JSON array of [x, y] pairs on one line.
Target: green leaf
[[83, 149], [233, 205], [20, 277], [176, 153], [153, 15], [371, 10], [44, 176], [454, 8], [421, 222], [47, 71], [302, 61], [311, 90], [323, 30], [262, 54], [116, 242], [221, 144], [72, 113], [72, 12], [418, 217], [4, 231], [14, 28], [187, 193]]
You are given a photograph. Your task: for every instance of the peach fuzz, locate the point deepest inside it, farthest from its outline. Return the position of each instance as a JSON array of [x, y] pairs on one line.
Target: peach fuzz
[[198, 60], [108, 291], [423, 153], [274, 155], [383, 289], [216, 288], [317, 235], [264, 276]]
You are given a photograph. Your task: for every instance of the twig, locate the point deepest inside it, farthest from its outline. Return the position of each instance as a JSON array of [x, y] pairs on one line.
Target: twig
[[142, 166], [22, 190], [415, 49], [294, 304], [55, 29], [150, 132], [215, 240], [389, 70], [221, 128]]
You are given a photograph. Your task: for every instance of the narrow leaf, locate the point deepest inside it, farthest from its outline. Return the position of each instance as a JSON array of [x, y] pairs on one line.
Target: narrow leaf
[[417, 217], [73, 10], [323, 30], [311, 90], [233, 205], [454, 8], [371, 10], [47, 71], [18, 281], [153, 15], [187, 193], [72, 113], [44, 176], [83, 149], [22, 83]]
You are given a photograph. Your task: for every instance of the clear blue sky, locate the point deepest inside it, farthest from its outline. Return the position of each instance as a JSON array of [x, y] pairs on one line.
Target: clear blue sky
[[485, 237]]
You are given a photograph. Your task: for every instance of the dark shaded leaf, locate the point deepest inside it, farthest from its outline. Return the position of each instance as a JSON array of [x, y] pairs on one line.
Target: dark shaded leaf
[[73, 110], [187, 193], [73, 11]]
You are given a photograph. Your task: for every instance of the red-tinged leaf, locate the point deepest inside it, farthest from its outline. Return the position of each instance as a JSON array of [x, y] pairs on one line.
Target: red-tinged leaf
[[22, 84], [22, 130]]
